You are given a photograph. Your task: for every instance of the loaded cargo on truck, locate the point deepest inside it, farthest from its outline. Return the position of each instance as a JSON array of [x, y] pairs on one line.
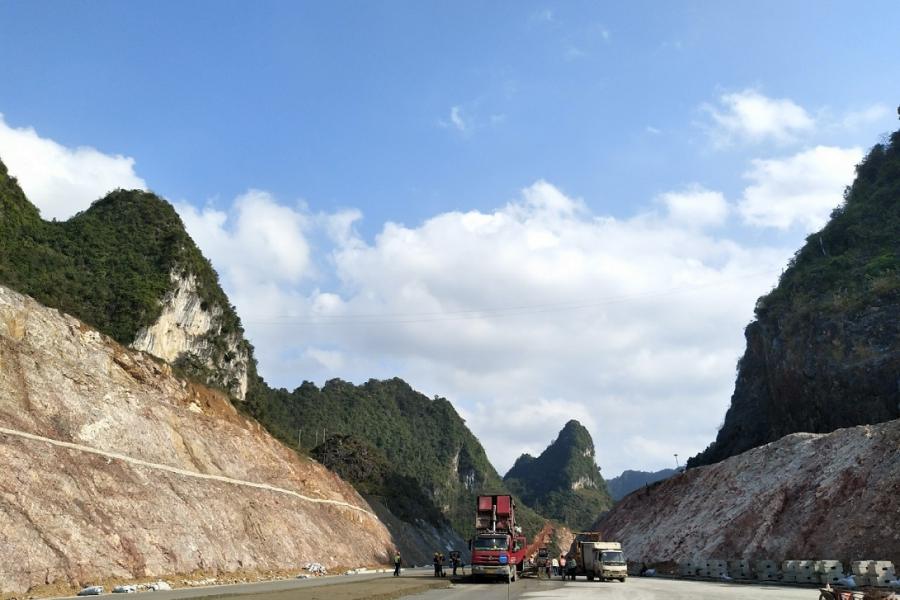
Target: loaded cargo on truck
[[596, 558], [497, 549]]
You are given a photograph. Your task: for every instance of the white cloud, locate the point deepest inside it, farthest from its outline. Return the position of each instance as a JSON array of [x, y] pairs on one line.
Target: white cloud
[[458, 120], [257, 241], [749, 116], [534, 313], [696, 207], [799, 190], [59, 180], [538, 308], [854, 120]]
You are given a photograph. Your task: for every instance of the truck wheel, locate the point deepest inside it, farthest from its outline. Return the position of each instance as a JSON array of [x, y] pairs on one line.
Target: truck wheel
[[590, 577], [476, 578], [622, 579]]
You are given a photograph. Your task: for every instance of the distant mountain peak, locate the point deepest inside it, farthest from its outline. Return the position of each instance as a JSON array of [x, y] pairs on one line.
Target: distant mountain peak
[[564, 482]]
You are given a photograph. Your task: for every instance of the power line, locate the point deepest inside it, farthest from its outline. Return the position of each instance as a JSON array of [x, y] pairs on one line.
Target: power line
[[485, 313]]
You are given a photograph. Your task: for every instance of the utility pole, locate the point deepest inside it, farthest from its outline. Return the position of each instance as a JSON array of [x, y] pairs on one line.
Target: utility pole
[[676, 462]]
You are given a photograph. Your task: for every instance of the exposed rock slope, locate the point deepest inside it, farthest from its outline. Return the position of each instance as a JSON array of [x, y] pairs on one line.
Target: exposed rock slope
[[190, 333], [112, 467], [806, 496]]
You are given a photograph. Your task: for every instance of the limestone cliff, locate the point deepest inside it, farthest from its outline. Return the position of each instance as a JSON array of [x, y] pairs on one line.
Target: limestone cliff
[[127, 267], [806, 496], [113, 467], [824, 350], [188, 332]]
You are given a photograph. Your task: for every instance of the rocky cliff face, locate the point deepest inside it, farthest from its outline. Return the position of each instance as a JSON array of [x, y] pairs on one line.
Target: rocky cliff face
[[806, 496], [834, 373], [824, 351], [113, 467], [188, 331]]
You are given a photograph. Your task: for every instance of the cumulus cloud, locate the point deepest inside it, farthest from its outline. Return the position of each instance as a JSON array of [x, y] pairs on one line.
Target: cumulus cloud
[[749, 116], [696, 207], [537, 308], [531, 314], [800, 190], [257, 241], [59, 180]]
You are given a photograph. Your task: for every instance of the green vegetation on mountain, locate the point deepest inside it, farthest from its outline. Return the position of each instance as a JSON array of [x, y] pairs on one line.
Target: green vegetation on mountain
[[109, 266], [112, 264], [422, 438], [824, 350], [855, 258], [564, 482], [369, 470], [629, 481]]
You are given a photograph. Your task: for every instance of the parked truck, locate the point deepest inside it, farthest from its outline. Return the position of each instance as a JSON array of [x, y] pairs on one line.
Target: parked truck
[[596, 558], [498, 550]]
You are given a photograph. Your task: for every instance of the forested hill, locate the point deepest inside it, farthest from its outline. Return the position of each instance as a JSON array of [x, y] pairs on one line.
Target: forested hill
[[114, 264], [422, 438], [110, 266], [564, 482], [824, 350], [629, 481]]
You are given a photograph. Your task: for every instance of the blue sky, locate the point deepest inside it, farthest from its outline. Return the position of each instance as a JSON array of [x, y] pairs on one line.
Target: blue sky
[[539, 210]]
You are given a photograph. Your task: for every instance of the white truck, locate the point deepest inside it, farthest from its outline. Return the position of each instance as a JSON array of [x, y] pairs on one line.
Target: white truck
[[596, 558]]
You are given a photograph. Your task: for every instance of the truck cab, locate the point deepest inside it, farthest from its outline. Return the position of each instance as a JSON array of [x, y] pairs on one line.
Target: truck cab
[[496, 549], [493, 555]]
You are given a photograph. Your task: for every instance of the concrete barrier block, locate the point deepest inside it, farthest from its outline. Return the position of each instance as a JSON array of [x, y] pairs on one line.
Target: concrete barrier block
[[860, 567]]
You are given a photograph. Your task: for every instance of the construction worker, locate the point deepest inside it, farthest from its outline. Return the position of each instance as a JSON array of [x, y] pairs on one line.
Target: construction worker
[[562, 565], [397, 562]]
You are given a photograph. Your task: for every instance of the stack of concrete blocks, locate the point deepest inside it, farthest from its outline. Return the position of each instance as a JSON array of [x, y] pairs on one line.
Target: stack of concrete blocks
[[767, 570], [830, 571], [716, 568], [689, 567], [789, 571], [882, 574], [806, 572], [860, 571], [702, 571], [739, 569]]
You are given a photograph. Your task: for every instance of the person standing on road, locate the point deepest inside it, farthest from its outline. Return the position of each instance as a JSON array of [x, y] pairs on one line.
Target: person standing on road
[[437, 565], [562, 566], [397, 562], [571, 566], [555, 564]]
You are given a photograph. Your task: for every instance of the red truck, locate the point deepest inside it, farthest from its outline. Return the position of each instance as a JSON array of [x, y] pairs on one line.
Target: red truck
[[497, 550]]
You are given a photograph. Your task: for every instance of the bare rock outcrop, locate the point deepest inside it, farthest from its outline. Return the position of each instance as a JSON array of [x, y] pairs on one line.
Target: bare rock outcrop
[[805, 496], [189, 330], [113, 467]]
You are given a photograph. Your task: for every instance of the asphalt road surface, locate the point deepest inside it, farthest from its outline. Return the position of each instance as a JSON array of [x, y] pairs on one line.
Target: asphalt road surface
[[417, 583], [636, 588]]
